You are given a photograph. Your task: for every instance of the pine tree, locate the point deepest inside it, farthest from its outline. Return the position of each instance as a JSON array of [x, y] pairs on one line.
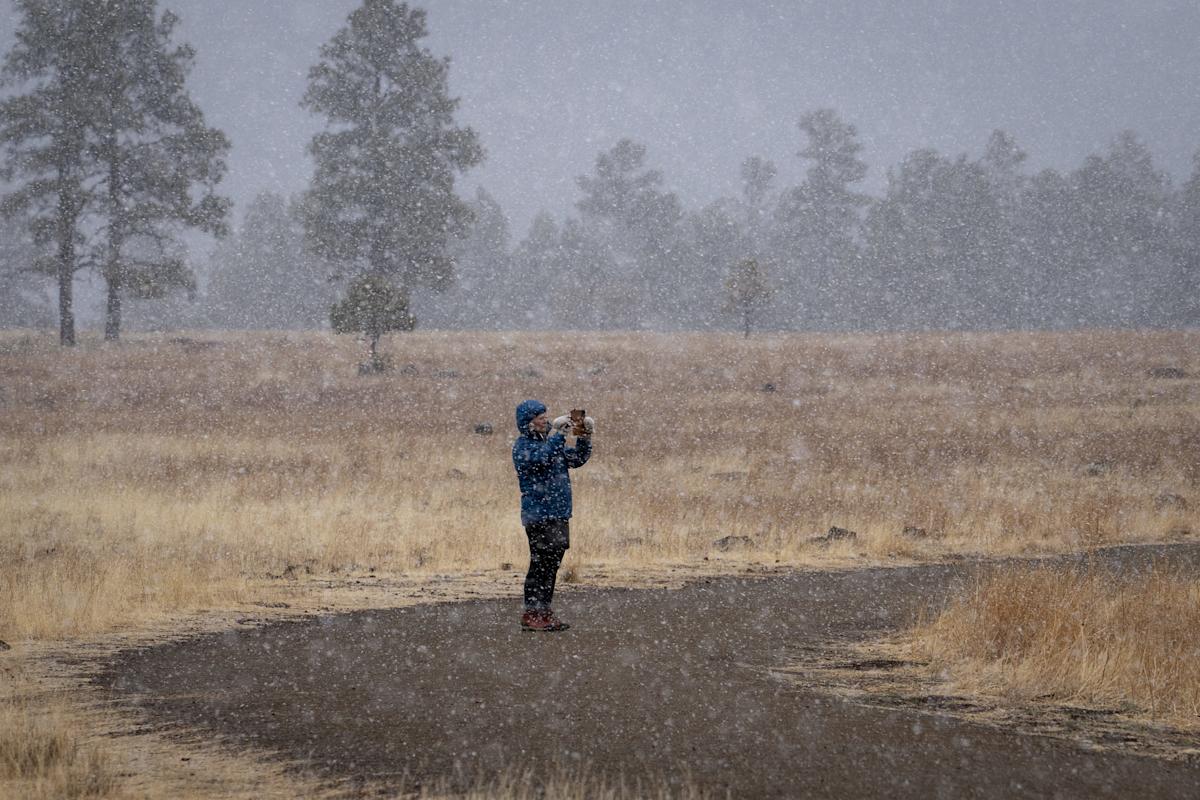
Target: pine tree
[[539, 265], [817, 223], [382, 198], [1008, 282], [718, 236], [625, 209], [1187, 249], [24, 302], [747, 291], [581, 288], [153, 152], [483, 266], [45, 131], [263, 277], [1125, 235], [928, 242], [1053, 249], [758, 186]]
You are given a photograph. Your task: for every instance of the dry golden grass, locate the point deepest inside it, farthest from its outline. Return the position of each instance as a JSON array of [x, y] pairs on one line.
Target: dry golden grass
[[164, 474], [44, 750], [41, 755], [1075, 635]]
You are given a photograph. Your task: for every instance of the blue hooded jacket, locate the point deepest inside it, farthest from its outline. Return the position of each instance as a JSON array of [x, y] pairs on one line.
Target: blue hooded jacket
[[541, 462]]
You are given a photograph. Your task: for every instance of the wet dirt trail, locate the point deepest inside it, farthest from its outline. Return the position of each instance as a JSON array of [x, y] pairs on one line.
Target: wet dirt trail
[[658, 685]]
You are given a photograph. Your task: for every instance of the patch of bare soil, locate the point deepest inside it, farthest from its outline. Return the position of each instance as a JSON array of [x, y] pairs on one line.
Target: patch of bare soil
[[664, 686]]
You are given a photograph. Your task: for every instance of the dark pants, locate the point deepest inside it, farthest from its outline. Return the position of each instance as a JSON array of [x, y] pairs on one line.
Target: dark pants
[[548, 540]]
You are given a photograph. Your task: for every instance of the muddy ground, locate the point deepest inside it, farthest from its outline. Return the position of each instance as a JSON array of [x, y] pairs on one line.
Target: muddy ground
[[657, 685]]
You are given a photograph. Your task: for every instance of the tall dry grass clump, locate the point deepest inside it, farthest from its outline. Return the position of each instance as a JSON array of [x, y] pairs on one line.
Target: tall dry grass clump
[[42, 755], [1077, 635]]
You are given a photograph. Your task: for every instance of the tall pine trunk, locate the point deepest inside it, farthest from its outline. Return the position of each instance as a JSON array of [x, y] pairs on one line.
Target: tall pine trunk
[[66, 278], [68, 213], [112, 311], [113, 269]]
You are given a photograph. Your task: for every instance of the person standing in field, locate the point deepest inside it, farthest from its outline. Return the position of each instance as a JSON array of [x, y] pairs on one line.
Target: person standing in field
[[542, 458]]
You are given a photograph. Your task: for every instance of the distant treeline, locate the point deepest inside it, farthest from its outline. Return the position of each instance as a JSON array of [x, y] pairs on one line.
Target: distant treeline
[[106, 160], [955, 243]]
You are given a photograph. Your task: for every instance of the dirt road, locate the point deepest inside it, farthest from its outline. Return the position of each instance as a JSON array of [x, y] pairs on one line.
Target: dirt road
[[658, 685]]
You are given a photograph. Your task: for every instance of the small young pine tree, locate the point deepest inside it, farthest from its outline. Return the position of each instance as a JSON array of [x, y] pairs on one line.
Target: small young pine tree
[[372, 307], [747, 291]]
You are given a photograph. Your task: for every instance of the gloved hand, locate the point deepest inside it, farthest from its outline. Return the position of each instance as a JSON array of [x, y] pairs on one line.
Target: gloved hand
[[564, 426]]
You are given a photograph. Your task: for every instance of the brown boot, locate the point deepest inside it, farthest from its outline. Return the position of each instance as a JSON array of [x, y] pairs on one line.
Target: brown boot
[[533, 620], [543, 621], [553, 623]]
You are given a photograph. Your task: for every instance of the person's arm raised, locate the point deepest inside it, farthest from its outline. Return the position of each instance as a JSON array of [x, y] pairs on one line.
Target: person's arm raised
[[578, 455], [530, 451]]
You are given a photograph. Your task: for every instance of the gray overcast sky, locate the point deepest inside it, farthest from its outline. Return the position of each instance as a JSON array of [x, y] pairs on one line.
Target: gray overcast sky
[[705, 84]]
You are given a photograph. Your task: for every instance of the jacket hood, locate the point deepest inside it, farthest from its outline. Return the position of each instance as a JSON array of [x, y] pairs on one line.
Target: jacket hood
[[526, 411]]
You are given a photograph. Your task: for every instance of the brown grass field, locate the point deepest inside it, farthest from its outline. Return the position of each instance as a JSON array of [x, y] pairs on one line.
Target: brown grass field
[[180, 474]]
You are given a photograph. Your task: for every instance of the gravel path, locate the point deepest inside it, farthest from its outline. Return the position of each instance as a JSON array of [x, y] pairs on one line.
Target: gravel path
[[656, 684]]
